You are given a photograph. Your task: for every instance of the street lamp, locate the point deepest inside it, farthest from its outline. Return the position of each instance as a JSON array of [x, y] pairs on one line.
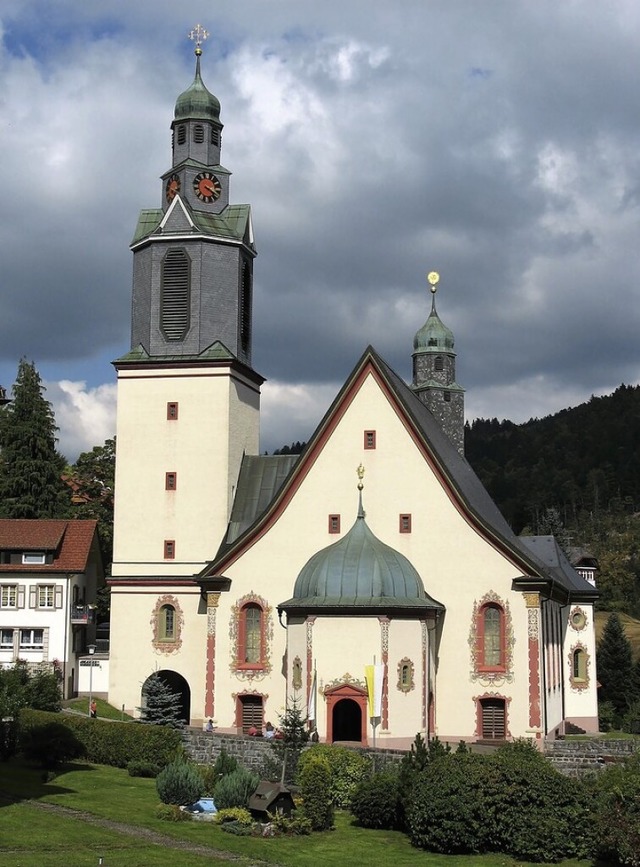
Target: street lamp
[[92, 649]]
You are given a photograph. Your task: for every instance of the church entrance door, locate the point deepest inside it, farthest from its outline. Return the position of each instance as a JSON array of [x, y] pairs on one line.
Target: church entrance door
[[346, 713]]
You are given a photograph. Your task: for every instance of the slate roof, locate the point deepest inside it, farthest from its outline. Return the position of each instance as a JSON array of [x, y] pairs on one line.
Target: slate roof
[[261, 476], [546, 549], [454, 468], [216, 352], [70, 542]]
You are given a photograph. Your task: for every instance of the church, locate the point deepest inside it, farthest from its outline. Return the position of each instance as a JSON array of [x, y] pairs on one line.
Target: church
[[249, 581]]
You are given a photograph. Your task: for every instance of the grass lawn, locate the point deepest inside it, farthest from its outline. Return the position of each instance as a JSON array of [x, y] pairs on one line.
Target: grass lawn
[[29, 836], [104, 709]]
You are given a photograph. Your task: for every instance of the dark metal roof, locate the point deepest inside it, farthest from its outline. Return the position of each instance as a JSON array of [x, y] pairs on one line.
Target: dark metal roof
[[547, 550], [261, 476]]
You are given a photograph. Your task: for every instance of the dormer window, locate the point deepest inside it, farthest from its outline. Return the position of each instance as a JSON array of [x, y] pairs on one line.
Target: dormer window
[[33, 558]]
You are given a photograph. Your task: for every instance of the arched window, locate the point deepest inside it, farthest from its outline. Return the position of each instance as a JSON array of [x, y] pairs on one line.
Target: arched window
[[167, 623], [579, 664], [491, 637], [405, 675], [251, 644]]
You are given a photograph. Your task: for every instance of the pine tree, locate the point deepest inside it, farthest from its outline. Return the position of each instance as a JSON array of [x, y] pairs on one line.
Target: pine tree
[[31, 483], [162, 706], [614, 665]]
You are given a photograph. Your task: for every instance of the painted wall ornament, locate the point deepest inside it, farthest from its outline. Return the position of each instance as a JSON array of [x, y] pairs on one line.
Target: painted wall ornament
[[491, 678]]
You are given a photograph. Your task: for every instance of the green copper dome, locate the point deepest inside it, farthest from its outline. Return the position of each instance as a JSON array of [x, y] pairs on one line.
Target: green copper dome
[[359, 571], [197, 102], [434, 335]]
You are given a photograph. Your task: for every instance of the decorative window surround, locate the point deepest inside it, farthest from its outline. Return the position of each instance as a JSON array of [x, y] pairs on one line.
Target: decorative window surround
[[251, 612], [487, 675], [406, 670], [579, 665], [161, 640]]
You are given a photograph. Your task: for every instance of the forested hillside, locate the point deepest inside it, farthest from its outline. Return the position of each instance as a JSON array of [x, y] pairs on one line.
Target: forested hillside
[[575, 474]]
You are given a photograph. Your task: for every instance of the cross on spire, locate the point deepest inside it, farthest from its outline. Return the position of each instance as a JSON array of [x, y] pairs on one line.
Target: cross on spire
[[198, 35]]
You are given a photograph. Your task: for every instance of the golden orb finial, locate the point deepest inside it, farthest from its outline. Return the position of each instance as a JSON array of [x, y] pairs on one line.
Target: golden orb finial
[[433, 278], [360, 472]]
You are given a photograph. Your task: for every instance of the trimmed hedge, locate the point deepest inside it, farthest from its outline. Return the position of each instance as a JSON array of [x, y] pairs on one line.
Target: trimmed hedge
[[112, 743]]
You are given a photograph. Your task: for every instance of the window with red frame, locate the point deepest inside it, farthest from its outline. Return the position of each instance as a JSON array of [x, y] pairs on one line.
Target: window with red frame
[[251, 645], [169, 549], [170, 481], [491, 637], [172, 411], [369, 439], [334, 523], [405, 523]]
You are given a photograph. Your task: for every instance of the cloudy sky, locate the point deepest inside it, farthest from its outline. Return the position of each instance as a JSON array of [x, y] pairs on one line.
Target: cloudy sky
[[495, 141]]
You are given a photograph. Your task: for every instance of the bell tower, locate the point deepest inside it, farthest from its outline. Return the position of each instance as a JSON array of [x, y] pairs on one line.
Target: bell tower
[[188, 397], [434, 372]]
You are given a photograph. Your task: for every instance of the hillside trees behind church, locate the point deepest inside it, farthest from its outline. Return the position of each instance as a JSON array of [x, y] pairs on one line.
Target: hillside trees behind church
[[31, 484], [583, 466], [91, 480]]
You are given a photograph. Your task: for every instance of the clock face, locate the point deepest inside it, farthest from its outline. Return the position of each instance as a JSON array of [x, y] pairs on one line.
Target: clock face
[[173, 187], [207, 187]]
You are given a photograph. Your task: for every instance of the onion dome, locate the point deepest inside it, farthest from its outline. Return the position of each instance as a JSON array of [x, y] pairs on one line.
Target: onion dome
[[197, 103], [359, 571], [434, 335]]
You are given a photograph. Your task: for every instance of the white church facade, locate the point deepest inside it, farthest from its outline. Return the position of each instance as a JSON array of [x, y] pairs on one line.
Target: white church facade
[[250, 580]]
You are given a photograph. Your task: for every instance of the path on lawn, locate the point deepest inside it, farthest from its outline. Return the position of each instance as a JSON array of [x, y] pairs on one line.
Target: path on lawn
[[147, 834]]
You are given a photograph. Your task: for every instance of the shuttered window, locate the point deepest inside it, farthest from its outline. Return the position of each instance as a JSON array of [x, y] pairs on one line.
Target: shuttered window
[[174, 300], [493, 718], [198, 133], [251, 707]]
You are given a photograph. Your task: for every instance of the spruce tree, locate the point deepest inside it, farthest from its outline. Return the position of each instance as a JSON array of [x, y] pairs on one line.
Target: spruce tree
[[162, 706], [31, 483], [614, 665]]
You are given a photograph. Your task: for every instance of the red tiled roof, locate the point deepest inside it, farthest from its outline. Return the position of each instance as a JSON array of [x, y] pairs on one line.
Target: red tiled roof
[[69, 540]]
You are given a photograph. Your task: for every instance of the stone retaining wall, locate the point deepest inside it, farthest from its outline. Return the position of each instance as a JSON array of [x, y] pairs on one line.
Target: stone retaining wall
[[572, 758], [204, 748], [575, 758]]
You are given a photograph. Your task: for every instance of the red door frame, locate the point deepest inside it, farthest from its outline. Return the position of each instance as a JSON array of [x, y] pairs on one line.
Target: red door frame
[[335, 695]]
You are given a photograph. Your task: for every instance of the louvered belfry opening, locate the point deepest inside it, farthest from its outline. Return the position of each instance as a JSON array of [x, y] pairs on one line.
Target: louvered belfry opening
[[245, 311], [174, 304]]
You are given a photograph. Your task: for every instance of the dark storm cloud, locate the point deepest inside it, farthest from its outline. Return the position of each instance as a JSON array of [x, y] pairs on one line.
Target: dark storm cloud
[[493, 142]]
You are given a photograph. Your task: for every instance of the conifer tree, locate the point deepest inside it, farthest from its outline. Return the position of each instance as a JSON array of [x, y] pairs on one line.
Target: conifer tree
[[162, 706], [31, 483], [614, 665]]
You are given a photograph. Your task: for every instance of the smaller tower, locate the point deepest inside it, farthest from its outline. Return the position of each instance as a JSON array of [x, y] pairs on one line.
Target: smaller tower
[[434, 372]]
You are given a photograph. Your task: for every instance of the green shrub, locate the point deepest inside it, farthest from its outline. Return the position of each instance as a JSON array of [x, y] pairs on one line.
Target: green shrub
[[412, 765], [179, 783], [113, 743], [375, 801], [291, 826], [172, 813], [617, 814], [224, 764], [315, 789], [233, 814], [444, 811], [137, 768], [607, 716], [348, 768], [235, 789], [238, 829], [514, 802], [50, 745]]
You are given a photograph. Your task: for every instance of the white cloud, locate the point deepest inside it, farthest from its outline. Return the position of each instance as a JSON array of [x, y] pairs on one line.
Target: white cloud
[[86, 417]]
